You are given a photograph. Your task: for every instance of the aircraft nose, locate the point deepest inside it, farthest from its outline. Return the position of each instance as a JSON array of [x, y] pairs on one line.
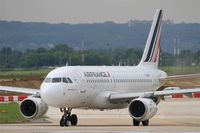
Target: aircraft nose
[[53, 94], [44, 93], [48, 94]]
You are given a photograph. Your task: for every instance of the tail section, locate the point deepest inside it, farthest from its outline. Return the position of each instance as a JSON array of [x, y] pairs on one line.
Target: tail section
[[151, 53]]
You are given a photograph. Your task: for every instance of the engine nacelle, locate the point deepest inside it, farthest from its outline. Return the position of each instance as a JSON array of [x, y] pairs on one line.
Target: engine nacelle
[[33, 108], [142, 109]]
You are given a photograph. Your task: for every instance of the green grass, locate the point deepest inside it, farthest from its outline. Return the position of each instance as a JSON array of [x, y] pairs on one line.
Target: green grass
[[19, 73], [12, 114]]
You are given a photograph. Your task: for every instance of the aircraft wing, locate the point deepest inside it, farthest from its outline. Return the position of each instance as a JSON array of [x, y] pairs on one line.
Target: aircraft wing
[[187, 76], [20, 90], [125, 97], [191, 78]]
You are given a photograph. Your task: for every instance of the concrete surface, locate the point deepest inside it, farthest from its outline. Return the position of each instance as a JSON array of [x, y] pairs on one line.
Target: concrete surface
[[177, 115]]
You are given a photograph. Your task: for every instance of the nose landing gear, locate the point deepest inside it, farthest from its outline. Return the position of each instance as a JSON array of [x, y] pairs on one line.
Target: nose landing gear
[[68, 119]]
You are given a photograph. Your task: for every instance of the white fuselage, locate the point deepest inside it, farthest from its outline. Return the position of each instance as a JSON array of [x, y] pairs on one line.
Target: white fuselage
[[92, 85]]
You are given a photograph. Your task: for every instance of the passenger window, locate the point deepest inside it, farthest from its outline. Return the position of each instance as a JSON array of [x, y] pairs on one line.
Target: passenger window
[[65, 80], [55, 80], [47, 80], [70, 81]]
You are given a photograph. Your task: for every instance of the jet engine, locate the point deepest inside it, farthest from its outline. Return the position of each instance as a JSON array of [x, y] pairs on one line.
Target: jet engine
[[33, 108], [142, 109]]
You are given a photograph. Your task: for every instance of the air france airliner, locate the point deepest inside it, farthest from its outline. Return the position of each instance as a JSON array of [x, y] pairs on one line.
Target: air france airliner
[[103, 87]]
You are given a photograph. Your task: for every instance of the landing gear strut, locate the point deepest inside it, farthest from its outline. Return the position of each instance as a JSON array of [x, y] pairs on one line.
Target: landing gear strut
[[68, 119]]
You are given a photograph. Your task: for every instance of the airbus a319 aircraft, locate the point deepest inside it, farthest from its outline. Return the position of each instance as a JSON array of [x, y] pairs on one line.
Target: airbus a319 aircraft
[[103, 87]]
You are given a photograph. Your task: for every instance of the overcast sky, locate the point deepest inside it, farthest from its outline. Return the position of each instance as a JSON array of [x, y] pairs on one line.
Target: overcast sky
[[89, 11]]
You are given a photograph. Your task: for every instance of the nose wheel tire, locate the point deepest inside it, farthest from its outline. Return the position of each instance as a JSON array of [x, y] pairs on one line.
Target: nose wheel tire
[[74, 120], [64, 122], [68, 119]]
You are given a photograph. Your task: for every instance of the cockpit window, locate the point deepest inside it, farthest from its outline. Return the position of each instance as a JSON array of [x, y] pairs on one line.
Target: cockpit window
[[65, 80], [47, 80], [55, 80], [70, 81]]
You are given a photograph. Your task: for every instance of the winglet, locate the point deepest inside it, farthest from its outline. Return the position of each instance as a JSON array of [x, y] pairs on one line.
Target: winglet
[[151, 53]]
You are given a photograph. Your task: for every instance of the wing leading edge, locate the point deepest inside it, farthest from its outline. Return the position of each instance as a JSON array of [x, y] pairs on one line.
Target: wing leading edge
[[20, 90], [124, 97]]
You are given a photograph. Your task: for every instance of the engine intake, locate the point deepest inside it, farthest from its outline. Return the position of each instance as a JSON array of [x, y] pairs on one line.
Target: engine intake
[[142, 109], [33, 108]]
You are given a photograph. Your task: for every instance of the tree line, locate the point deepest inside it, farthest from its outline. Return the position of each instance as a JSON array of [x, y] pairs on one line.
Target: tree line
[[24, 35], [62, 54]]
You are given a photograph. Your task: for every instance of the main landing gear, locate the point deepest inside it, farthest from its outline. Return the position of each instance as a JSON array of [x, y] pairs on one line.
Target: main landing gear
[[137, 123], [68, 119]]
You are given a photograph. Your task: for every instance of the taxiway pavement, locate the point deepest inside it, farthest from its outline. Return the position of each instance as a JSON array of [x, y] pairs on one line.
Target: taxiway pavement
[[176, 116]]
